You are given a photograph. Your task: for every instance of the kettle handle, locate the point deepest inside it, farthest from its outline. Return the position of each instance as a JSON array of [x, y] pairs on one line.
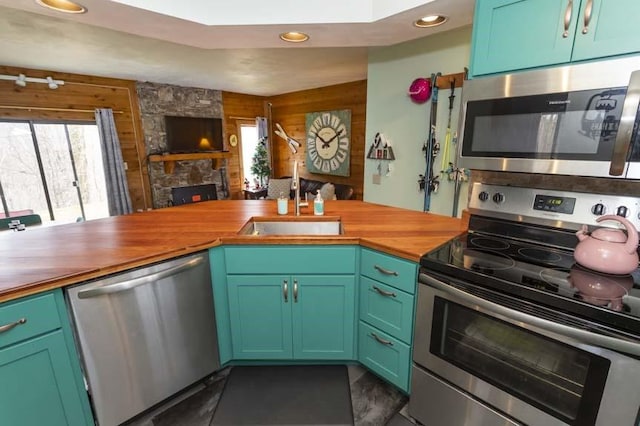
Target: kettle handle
[[583, 233], [631, 246]]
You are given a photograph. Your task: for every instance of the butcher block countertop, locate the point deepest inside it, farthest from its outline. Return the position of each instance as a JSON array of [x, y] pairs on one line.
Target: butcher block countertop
[[42, 258]]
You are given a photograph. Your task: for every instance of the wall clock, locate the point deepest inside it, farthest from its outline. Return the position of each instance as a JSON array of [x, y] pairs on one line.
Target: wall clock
[[329, 142]]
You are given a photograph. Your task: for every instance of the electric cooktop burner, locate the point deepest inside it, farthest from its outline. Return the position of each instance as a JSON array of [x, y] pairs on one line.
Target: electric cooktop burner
[[489, 243], [541, 255]]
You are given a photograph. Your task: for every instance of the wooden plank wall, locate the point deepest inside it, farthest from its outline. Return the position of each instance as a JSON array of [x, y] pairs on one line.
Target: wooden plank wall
[[76, 100], [289, 110], [238, 108], [81, 94]]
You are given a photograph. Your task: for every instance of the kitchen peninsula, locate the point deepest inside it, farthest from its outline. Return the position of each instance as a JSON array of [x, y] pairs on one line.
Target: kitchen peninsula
[[291, 299], [51, 257]]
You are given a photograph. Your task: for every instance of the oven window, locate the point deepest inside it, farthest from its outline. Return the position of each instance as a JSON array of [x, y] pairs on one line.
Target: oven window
[[559, 379]]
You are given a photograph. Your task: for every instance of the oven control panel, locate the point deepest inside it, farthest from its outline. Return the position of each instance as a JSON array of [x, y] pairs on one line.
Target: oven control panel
[[560, 209]]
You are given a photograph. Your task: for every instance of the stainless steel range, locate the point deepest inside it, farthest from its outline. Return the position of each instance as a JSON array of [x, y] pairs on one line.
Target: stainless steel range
[[511, 331]]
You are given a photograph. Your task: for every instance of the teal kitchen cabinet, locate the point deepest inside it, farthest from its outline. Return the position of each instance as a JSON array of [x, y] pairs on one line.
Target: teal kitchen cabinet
[[39, 370], [260, 317], [612, 29], [511, 35], [386, 312], [323, 317], [291, 303]]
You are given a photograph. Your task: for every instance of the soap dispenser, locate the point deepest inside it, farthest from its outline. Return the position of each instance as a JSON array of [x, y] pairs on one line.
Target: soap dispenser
[[318, 205]]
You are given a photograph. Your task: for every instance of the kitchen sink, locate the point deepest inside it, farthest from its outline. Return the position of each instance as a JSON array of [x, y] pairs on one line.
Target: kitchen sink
[[292, 226]]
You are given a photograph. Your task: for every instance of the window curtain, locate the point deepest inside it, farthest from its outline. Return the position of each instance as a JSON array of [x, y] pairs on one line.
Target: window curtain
[[263, 128], [116, 179]]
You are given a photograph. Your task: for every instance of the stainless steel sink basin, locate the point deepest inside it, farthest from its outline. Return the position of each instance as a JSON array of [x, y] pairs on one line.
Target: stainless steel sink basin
[[297, 226]]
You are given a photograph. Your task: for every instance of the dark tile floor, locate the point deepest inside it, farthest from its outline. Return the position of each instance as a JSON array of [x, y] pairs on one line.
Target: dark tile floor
[[374, 402]]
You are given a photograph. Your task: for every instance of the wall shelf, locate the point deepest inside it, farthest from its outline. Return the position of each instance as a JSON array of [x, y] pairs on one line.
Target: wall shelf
[[170, 159], [381, 153]]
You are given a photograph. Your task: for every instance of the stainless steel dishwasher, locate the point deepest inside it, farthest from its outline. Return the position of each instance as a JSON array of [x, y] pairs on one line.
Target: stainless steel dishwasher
[[145, 334]]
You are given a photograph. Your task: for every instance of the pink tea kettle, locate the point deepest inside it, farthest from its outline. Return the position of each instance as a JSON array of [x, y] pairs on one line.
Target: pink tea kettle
[[608, 250]]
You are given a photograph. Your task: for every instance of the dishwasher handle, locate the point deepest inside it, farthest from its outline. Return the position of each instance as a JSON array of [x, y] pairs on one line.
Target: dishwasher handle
[[135, 282], [515, 316]]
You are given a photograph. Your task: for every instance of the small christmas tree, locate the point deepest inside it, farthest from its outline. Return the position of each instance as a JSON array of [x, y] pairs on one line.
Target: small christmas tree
[[260, 162]]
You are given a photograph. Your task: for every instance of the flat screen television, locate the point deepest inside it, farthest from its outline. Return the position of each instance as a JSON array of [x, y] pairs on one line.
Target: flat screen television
[[193, 134]]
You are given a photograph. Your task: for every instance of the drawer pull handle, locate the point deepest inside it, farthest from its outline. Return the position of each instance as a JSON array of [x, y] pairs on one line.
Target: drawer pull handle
[[385, 271], [295, 291], [384, 342], [567, 18], [587, 16], [285, 290], [383, 292], [8, 327]]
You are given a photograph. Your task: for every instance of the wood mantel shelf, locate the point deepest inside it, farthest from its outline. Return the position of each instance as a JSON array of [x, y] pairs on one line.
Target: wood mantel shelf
[[170, 159]]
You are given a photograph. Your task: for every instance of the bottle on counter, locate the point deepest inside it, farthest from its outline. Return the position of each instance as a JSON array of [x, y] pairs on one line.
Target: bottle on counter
[[318, 205], [283, 204]]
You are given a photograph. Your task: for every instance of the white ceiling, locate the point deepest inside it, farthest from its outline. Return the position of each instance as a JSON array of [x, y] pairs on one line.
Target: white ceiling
[[234, 46]]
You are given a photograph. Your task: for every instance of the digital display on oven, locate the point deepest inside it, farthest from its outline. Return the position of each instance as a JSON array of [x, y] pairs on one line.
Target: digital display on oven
[[554, 204]]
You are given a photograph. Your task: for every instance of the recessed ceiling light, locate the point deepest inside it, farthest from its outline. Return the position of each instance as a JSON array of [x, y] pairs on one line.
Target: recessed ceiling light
[[294, 37], [430, 21], [65, 6]]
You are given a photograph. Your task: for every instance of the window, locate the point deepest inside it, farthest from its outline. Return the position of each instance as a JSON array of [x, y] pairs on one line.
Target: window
[[53, 170], [248, 142]]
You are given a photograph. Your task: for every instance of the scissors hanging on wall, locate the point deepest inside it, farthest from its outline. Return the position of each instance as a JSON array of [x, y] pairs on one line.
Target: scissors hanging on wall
[[293, 144]]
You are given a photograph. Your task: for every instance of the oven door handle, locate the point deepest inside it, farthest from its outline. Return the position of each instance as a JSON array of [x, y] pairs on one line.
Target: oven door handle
[[582, 336]]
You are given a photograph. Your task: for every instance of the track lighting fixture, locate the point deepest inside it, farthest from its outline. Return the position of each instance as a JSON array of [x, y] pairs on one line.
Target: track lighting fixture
[[52, 84], [22, 80]]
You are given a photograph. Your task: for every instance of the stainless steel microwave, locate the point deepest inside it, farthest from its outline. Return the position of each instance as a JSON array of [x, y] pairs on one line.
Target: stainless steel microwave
[[572, 120]]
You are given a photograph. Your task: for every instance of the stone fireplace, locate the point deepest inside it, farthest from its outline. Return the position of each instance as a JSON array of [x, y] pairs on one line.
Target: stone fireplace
[[156, 102]]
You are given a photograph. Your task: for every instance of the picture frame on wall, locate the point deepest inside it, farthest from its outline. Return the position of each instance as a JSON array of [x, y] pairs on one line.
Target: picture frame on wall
[[328, 142]]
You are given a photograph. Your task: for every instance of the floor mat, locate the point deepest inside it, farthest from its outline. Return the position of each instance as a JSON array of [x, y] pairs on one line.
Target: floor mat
[[399, 420], [285, 395]]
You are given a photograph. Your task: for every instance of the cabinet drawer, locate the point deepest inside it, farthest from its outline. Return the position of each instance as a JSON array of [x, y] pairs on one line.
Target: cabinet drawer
[[40, 315], [390, 270], [386, 308], [384, 355], [290, 260]]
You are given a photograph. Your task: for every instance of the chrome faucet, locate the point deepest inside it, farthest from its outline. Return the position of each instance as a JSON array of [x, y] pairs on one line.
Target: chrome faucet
[[295, 185]]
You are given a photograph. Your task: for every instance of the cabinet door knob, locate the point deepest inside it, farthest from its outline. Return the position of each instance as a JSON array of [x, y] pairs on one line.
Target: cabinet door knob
[[295, 291], [383, 292], [588, 10], [380, 340], [8, 327], [285, 290], [567, 18]]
